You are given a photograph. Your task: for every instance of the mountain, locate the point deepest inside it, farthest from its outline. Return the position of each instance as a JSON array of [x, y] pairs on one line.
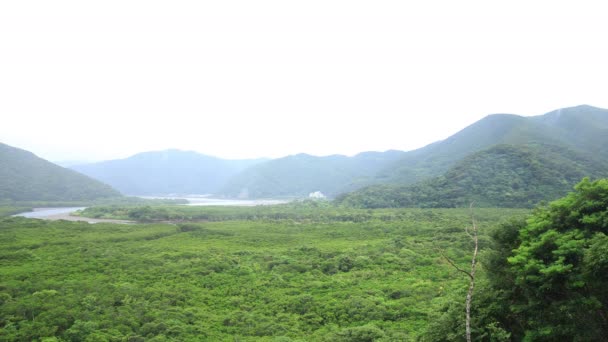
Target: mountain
[[582, 128], [500, 160], [166, 172], [501, 176], [26, 177], [302, 174], [68, 163], [579, 131]]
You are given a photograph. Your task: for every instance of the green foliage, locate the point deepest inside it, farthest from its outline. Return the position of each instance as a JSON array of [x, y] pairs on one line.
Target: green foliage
[[366, 333], [502, 176], [297, 210], [25, 177], [559, 267], [546, 276], [285, 275]]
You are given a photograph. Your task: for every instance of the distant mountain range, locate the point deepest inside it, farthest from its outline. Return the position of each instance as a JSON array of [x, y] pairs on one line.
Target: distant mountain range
[[501, 160], [26, 177], [166, 172]]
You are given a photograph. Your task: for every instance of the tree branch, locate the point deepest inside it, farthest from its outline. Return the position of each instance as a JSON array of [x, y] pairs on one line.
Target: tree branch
[[454, 264]]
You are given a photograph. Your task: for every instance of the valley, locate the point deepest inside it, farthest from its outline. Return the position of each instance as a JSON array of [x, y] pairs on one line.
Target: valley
[[303, 171], [371, 247], [290, 273]]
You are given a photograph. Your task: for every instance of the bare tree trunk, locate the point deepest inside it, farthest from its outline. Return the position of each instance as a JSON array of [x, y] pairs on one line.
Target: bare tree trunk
[[471, 275]]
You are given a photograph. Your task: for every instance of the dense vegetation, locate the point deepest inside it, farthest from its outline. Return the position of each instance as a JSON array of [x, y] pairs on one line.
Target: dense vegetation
[[309, 272], [25, 177], [309, 210], [376, 277], [357, 269], [166, 172], [546, 276], [502, 176]]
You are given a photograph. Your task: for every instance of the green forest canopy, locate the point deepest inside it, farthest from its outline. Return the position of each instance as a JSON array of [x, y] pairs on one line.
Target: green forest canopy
[[502, 176]]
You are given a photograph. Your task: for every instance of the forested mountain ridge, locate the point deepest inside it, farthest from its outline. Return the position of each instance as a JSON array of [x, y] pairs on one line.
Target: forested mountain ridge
[[502, 176], [166, 172], [582, 128], [579, 130], [26, 177], [301, 174]]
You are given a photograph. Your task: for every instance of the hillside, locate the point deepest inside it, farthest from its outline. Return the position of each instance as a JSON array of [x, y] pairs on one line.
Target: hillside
[[501, 176], [26, 177], [582, 129], [302, 174], [166, 172]]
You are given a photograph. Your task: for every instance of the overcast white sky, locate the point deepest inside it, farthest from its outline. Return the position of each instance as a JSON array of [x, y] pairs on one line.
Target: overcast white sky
[[92, 80]]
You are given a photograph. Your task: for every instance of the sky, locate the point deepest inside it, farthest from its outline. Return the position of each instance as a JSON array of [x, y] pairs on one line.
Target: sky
[[96, 80]]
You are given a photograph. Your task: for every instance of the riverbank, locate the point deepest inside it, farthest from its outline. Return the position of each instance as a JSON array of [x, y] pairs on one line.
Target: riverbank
[[54, 214], [69, 217]]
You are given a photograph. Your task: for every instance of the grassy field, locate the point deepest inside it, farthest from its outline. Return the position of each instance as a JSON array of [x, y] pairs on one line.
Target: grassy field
[[279, 274]]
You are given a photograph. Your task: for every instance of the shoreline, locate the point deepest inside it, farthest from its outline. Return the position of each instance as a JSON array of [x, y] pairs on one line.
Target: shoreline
[[68, 217]]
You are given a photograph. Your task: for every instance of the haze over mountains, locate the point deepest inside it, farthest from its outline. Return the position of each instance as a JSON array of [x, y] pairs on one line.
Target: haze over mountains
[[166, 172], [582, 131], [302, 174], [501, 160]]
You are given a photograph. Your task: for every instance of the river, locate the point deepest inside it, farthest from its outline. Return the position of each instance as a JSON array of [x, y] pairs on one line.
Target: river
[[202, 200], [46, 212], [63, 214], [194, 200]]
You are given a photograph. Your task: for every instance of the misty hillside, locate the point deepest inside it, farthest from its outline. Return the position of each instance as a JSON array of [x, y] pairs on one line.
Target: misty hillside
[[578, 129], [166, 172], [582, 128], [26, 177], [302, 174], [501, 176]]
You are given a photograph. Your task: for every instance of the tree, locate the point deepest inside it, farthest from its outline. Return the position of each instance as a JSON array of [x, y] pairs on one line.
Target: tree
[[559, 268], [471, 274]]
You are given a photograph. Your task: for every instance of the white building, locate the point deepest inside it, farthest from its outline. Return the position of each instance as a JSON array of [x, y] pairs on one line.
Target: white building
[[317, 195]]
